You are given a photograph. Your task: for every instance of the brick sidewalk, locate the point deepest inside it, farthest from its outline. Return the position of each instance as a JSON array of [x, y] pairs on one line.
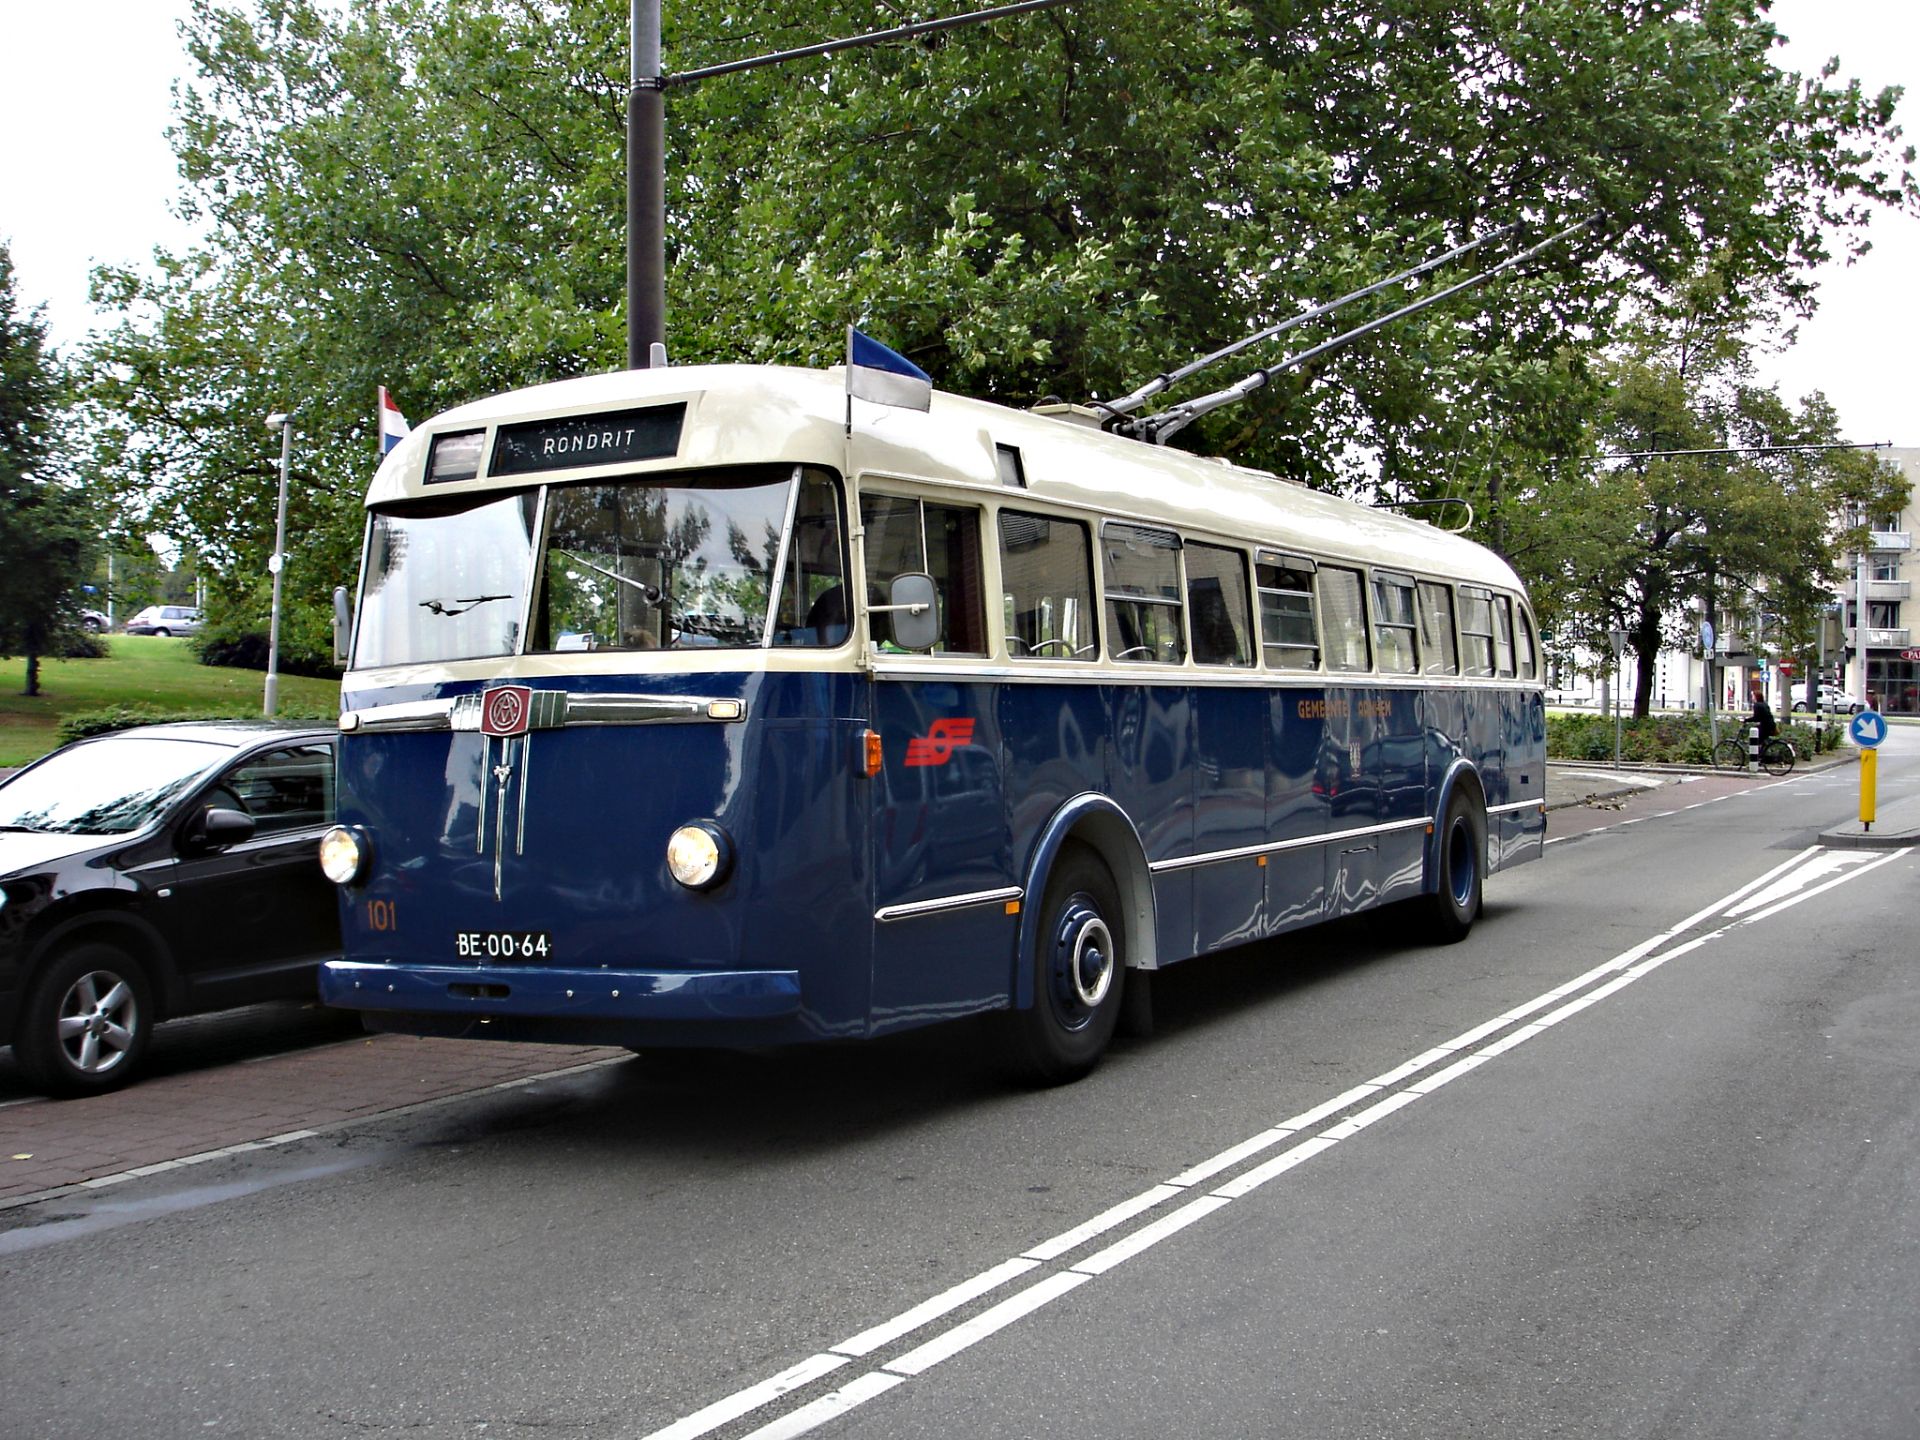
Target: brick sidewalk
[[201, 1114]]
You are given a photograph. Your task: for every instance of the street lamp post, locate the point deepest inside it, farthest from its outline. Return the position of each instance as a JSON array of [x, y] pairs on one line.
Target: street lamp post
[[277, 564]]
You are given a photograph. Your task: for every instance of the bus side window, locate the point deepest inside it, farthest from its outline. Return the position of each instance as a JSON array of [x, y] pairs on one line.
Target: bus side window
[[1502, 635], [1287, 637], [1343, 603], [1437, 653], [1217, 605], [1142, 569], [1524, 649], [1476, 631], [905, 536], [1046, 569], [1393, 625]]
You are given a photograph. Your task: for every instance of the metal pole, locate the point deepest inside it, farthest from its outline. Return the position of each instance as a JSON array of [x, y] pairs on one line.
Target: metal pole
[[646, 191], [1860, 614], [278, 565]]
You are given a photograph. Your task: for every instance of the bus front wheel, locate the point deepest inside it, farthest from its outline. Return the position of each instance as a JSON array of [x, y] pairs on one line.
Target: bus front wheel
[[1079, 974], [1455, 904]]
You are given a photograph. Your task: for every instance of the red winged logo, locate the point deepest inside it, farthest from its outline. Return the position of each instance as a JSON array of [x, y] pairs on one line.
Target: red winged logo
[[936, 747]]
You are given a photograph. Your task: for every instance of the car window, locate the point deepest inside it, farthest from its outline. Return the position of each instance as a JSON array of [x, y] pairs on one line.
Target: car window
[[289, 789], [110, 786]]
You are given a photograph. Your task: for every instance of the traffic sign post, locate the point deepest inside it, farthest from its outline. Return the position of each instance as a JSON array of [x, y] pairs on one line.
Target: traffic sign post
[[1867, 730]]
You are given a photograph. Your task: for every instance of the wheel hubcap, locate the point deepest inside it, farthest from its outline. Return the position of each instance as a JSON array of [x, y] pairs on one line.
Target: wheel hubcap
[[1460, 862], [97, 1022], [1083, 960]]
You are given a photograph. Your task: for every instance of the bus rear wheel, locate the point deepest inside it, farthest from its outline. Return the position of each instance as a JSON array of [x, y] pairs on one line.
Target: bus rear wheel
[[1079, 974], [1461, 865]]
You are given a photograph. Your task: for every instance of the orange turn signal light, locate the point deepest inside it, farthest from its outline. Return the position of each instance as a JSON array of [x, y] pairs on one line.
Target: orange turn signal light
[[870, 753]]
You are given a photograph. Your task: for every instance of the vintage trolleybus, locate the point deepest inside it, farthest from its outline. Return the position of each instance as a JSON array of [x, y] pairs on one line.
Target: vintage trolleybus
[[704, 706]]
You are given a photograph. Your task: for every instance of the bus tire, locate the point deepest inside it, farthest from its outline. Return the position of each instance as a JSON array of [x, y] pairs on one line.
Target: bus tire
[[1079, 974], [86, 1022], [1460, 866]]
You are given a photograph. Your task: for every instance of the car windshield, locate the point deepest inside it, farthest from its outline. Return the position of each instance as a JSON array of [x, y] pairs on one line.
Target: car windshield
[[742, 558], [107, 787]]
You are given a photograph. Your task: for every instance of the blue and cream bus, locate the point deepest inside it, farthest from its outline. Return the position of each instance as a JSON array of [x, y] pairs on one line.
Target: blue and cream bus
[[705, 706]]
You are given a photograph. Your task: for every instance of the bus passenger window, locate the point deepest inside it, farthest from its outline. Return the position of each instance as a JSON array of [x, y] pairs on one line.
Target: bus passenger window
[[1142, 569], [1217, 605], [1476, 631], [1046, 567], [1437, 653], [1393, 625], [1287, 638], [1343, 603], [905, 536], [1502, 635], [1523, 645]]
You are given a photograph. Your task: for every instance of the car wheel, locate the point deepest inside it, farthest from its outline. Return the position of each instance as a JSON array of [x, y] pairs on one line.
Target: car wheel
[[86, 1023], [163, 633], [1080, 973], [1800, 707], [1455, 904]]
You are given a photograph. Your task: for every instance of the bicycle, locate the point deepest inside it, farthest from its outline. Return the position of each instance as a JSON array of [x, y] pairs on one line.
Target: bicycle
[[1776, 755]]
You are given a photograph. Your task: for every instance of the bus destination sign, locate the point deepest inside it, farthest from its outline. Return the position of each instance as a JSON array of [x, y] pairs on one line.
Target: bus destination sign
[[534, 446]]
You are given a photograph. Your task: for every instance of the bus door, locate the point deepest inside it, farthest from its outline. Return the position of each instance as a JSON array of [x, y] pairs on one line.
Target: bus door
[[945, 892]]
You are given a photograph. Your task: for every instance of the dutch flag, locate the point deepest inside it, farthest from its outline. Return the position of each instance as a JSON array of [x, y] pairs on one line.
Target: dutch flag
[[393, 425], [875, 373]]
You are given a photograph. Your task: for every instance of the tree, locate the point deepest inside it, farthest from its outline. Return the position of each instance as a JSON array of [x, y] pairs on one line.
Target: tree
[[46, 533], [1710, 504], [429, 194]]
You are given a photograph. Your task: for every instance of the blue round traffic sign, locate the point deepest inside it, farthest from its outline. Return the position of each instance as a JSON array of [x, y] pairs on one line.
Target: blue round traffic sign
[[1867, 729]]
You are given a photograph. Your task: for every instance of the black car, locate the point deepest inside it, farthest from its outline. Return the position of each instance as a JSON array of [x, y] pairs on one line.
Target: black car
[[156, 872]]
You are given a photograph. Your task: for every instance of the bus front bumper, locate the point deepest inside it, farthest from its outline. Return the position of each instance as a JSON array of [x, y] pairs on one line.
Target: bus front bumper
[[530, 992]]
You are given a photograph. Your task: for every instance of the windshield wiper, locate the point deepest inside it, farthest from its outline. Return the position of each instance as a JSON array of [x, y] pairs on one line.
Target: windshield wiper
[[649, 593], [447, 608]]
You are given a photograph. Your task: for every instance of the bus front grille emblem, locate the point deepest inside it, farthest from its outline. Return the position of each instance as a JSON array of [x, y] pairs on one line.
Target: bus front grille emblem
[[506, 714]]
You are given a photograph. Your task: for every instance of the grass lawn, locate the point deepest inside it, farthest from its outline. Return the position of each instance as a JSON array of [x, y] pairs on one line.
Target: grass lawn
[[138, 670]]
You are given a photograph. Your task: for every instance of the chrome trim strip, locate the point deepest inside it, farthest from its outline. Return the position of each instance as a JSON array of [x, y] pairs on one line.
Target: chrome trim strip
[[1516, 805], [526, 774], [1248, 852], [550, 710], [949, 902], [480, 806]]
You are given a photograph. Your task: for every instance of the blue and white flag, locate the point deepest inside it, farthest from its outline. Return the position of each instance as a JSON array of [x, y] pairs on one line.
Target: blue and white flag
[[393, 425], [875, 373]]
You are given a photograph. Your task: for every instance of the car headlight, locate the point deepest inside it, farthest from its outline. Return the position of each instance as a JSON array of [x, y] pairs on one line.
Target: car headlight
[[345, 854], [699, 855]]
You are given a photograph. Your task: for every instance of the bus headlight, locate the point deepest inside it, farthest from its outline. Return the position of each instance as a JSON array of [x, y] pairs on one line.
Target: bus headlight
[[345, 854], [699, 855]]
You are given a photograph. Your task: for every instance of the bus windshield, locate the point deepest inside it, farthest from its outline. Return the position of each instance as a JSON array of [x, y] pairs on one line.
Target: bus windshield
[[666, 563]]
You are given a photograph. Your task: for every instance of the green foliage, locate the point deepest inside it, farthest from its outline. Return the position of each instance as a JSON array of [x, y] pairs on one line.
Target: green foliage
[[429, 194], [83, 723], [1710, 504], [47, 531], [1663, 739]]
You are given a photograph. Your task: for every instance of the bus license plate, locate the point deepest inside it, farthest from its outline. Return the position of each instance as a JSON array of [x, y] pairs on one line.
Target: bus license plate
[[503, 944]]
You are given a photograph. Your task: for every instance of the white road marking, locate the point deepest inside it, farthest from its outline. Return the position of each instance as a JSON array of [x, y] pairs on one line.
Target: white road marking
[[1808, 874]]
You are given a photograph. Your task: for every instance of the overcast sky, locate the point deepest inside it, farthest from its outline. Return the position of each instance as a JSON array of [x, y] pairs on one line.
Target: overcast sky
[[86, 177]]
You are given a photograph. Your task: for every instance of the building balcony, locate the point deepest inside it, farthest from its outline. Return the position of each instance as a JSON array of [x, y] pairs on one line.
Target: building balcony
[[1890, 540], [1884, 639], [1889, 589]]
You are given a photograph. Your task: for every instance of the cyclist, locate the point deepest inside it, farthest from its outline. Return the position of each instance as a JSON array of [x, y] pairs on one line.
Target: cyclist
[[1762, 719]]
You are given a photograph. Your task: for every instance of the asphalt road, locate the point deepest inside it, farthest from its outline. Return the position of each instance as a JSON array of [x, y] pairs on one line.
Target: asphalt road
[[1638, 1159]]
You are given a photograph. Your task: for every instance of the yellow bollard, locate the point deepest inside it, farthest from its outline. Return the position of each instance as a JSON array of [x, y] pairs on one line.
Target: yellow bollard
[[1869, 775]]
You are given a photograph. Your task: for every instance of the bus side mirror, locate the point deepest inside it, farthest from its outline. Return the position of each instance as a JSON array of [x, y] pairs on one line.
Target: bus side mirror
[[915, 607], [342, 624]]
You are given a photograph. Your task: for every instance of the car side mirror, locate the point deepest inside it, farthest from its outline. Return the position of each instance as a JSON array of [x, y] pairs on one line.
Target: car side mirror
[[218, 828], [915, 606]]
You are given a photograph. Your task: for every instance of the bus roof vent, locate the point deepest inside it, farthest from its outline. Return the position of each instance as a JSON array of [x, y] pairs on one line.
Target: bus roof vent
[[1084, 415]]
